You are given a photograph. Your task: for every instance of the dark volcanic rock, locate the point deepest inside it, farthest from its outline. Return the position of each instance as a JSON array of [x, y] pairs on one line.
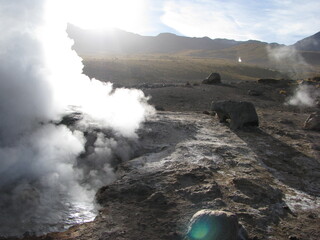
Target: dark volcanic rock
[[268, 81], [277, 82], [254, 93], [313, 122], [71, 119], [316, 79], [240, 113], [159, 108], [213, 78]]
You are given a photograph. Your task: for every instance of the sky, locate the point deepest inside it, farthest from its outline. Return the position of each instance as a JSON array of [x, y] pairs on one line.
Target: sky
[[285, 21]]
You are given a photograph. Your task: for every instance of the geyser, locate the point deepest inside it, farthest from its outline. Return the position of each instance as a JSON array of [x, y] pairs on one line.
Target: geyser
[[43, 184]]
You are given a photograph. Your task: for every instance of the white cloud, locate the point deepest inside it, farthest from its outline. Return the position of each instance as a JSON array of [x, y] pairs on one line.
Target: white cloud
[[270, 21], [105, 14]]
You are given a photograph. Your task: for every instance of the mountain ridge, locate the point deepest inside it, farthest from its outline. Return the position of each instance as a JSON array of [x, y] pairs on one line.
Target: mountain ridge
[[90, 42], [311, 43]]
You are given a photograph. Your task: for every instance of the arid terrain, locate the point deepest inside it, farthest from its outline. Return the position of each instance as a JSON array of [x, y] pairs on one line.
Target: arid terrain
[[159, 120], [187, 161]]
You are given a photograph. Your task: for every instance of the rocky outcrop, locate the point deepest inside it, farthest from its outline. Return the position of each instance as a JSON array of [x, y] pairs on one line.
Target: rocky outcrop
[[241, 114], [313, 122], [213, 78]]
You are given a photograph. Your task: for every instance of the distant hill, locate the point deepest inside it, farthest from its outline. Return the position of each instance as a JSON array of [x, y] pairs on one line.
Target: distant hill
[[296, 60], [116, 41], [249, 52], [90, 42], [311, 43]]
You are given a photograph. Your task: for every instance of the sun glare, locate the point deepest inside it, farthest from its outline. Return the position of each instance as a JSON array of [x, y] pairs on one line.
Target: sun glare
[[104, 14]]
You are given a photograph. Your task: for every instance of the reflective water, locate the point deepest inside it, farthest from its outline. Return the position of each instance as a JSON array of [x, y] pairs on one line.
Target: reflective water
[[41, 217]]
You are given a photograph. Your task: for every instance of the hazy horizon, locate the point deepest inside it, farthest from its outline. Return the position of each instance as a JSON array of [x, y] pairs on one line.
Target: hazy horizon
[[284, 22]]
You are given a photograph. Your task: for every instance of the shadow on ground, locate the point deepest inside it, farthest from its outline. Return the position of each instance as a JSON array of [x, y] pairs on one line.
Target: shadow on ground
[[288, 165]]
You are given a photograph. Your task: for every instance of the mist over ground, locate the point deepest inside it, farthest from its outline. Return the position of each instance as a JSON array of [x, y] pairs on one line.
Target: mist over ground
[[42, 179], [62, 134]]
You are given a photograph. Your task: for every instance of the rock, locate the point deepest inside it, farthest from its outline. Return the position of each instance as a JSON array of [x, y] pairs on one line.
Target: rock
[[241, 114], [283, 92], [318, 102], [254, 93], [277, 82], [312, 215], [286, 121], [316, 79], [313, 122], [309, 83], [213, 78], [157, 199], [206, 112], [293, 238], [212, 225], [268, 81], [315, 147], [71, 119], [159, 108]]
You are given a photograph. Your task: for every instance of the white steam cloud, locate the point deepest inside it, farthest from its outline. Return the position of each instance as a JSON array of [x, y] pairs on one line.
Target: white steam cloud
[[49, 170], [304, 96], [288, 60]]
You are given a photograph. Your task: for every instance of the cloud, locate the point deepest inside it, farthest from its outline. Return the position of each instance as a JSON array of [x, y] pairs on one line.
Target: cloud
[[270, 21]]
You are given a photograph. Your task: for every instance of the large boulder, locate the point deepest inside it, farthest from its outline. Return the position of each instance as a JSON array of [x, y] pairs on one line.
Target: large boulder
[[313, 122], [215, 225], [213, 78], [241, 114]]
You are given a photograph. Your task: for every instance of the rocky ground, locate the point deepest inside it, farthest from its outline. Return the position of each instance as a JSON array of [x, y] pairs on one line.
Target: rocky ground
[[188, 161]]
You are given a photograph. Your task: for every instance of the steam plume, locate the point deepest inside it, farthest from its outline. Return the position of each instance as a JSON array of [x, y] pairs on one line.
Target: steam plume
[[304, 96], [287, 59], [40, 82]]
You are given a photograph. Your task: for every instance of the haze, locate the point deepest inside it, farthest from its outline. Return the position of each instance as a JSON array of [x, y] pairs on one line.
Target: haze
[[271, 21]]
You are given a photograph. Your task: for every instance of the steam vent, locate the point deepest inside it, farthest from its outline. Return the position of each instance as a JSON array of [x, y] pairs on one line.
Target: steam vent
[[106, 134]]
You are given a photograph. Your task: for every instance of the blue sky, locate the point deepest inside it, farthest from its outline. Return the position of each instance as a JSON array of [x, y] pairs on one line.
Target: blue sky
[[285, 21]]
